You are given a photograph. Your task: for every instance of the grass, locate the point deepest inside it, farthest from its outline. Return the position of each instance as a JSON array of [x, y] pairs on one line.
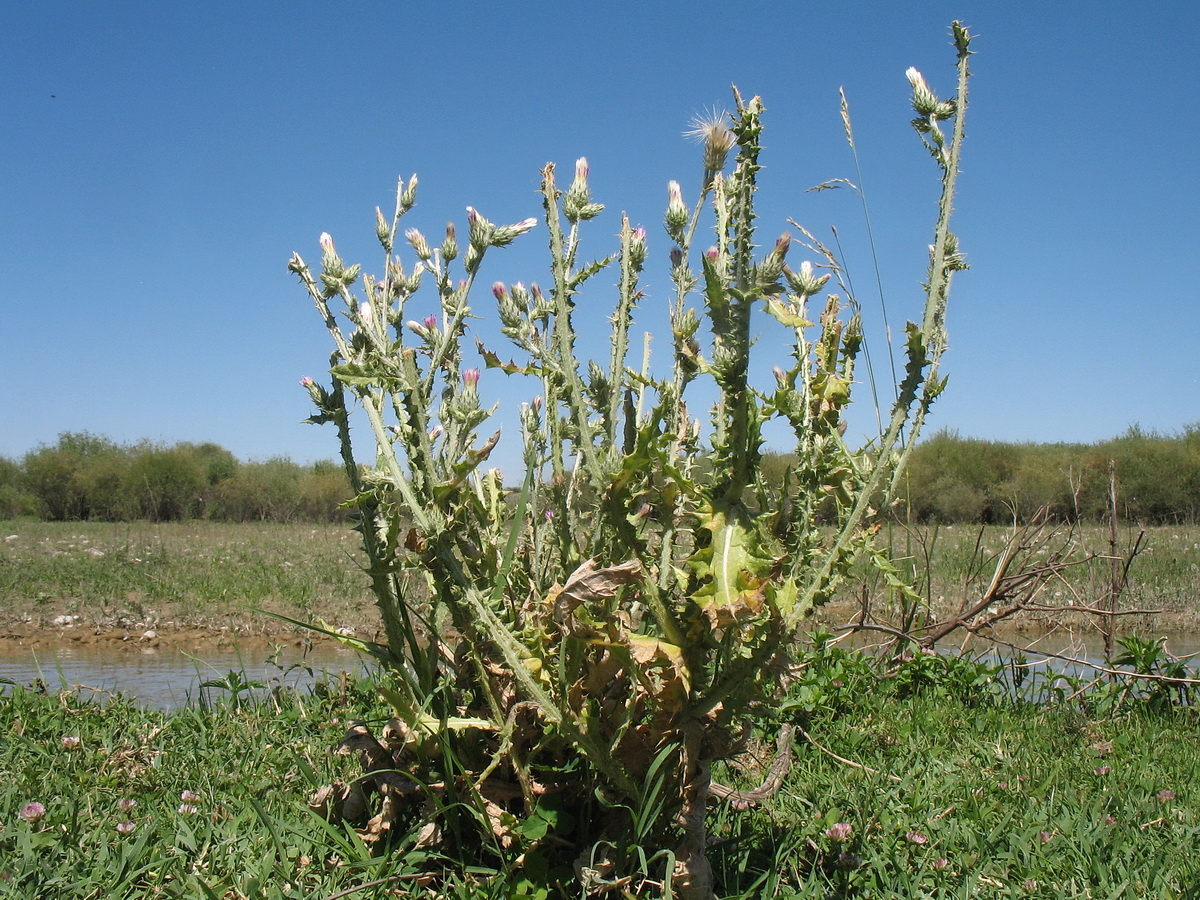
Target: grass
[[208, 573], [954, 563], [943, 796], [122, 574]]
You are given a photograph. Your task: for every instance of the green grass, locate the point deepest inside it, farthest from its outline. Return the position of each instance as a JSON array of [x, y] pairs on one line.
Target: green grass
[[957, 799], [192, 572], [208, 572], [955, 563]]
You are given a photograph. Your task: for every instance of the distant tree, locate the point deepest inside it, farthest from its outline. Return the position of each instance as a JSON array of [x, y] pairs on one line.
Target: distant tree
[[166, 484], [72, 479]]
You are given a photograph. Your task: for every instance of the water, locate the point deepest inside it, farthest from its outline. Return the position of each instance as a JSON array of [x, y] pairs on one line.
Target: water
[[167, 677]]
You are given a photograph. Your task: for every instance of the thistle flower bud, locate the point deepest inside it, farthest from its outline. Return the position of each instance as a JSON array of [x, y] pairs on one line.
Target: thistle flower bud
[[419, 244], [499, 290], [383, 231], [431, 322], [480, 229], [712, 254], [414, 280], [417, 328], [450, 244], [520, 296], [677, 211], [637, 246], [436, 432], [408, 195], [804, 282], [504, 235], [772, 266], [470, 379], [577, 202], [923, 100]]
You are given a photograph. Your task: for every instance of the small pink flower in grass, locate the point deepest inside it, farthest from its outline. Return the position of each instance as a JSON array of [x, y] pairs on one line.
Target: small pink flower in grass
[[189, 796], [33, 812], [1164, 796], [839, 831], [71, 742], [1110, 819], [124, 828], [940, 863], [1102, 770], [187, 809], [126, 804], [1046, 836], [917, 837], [1029, 885]]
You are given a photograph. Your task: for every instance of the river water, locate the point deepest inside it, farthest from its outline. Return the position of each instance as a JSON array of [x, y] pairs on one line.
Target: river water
[[167, 677]]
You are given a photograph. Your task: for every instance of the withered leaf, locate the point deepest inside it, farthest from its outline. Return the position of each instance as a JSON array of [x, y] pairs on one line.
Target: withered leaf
[[589, 584]]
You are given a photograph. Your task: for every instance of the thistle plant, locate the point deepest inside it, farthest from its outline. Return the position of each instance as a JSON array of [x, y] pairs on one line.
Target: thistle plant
[[584, 647]]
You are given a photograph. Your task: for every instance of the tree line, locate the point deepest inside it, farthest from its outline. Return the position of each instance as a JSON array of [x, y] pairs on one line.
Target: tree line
[[90, 477], [955, 479], [1157, 478], [950, 479]]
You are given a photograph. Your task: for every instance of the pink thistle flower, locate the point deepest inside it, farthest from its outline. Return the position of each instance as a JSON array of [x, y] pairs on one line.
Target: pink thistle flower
[[326, 242], [499, 290], [33, 812], [470, 377]]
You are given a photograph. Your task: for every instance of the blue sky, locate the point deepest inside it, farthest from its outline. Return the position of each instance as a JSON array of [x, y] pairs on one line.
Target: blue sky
[[161, 161]]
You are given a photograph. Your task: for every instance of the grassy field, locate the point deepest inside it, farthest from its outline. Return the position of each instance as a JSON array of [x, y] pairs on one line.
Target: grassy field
[[925, 779], [207, 574], [900, 789], [137, 575]]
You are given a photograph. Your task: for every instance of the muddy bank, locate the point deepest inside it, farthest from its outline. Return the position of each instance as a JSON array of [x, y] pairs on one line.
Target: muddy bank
[[249, 633]]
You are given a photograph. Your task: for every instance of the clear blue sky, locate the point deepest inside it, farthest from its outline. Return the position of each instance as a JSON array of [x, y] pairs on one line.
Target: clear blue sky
[[159, 162]]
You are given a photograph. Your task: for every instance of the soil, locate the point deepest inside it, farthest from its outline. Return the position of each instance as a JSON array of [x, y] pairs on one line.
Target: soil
[[248, 633]]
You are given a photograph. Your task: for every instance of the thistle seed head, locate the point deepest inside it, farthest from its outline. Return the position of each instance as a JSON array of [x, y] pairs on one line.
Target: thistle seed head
[[711, 129]]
